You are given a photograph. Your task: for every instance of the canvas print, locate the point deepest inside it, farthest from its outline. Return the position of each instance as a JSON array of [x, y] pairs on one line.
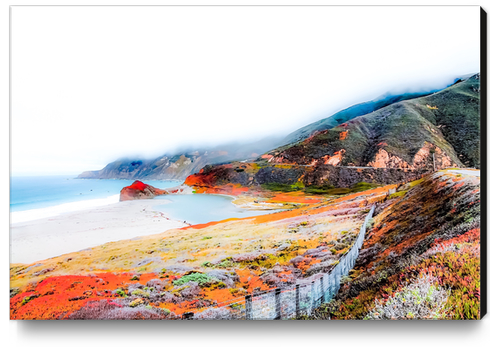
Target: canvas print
[[246, 163]]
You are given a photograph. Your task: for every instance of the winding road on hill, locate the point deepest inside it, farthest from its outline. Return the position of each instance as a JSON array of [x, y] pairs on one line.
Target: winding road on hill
[[468, 172]]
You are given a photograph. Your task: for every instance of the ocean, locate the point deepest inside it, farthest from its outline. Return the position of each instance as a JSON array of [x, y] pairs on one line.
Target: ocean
[[33, 198]]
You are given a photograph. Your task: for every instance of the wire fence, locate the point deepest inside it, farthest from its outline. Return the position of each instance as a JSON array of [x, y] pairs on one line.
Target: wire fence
[[289, 302]]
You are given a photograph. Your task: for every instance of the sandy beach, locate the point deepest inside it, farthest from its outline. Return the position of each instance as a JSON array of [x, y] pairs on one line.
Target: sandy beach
[[73, 231]]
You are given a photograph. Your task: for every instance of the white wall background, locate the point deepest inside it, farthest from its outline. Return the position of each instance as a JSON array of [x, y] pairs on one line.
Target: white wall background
[[213, 333]]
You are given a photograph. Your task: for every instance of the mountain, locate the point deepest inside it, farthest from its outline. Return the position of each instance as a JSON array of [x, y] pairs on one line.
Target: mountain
[[397, 143], [355, 111], [180, 164], [443, 126], [411, 130], [346, 115]]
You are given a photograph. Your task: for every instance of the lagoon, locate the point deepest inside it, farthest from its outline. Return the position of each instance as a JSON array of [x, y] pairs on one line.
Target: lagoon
[[203, 208]]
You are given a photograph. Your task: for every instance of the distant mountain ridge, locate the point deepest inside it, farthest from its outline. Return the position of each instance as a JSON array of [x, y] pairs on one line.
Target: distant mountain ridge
[[356, 111], [179, 164]]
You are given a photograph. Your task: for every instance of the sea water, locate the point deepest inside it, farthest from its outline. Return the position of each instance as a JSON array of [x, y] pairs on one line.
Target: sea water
[[38, 197]]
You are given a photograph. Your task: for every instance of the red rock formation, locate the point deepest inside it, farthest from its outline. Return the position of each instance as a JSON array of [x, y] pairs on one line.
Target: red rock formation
[[334, 159], [140, 190], [423, 158]]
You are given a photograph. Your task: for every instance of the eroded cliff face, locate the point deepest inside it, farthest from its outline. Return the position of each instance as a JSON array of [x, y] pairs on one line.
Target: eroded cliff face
[[427, 156], [335, 159]]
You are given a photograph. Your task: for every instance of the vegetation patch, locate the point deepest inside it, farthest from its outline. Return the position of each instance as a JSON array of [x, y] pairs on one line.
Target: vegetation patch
[[282, 187], [422, 299], [200, 278], [433, 234], [398, 194]]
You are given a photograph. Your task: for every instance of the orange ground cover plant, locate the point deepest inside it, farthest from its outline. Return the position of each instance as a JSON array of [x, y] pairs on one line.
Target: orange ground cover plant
[[58, 296]]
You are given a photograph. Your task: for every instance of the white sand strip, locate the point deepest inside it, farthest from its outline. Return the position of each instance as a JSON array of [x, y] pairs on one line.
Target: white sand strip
[[52, 211], [73, 231]]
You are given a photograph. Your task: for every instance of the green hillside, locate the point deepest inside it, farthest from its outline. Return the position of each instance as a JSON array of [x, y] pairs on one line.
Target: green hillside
[[403, 134], [348, 114]]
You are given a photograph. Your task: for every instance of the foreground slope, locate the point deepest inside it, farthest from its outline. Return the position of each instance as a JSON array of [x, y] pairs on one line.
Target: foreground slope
[[424, 241]]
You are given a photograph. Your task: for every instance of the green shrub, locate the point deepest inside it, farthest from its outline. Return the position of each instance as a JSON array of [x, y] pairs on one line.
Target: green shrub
[[369, 223], [121, 292], [226, 263], [318, 189], [398, 194], [136, 302], [139, 292], [298, 185], [28, 298], [200, 278], [362, 186], [279, 187]]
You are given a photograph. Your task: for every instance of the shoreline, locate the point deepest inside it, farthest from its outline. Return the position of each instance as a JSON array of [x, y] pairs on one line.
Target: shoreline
[[34, 214], [68, 232]]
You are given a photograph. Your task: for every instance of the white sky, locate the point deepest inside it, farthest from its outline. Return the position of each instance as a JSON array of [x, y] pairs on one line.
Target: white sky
[[91, 84]]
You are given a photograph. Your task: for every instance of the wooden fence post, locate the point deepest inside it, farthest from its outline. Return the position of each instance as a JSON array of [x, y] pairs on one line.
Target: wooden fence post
[[188, 315], [322, 297], [312, 295], [278, 303], [297, 300], [248, 307]]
